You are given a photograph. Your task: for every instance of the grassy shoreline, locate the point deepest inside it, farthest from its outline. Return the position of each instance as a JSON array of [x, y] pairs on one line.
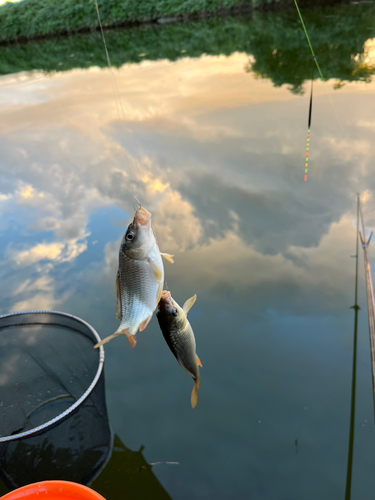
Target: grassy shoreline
[[35, 19], [274, 41]]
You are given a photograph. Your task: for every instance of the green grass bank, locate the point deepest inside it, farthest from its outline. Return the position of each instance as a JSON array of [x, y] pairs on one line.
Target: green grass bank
[[44, 18], [274, 40]]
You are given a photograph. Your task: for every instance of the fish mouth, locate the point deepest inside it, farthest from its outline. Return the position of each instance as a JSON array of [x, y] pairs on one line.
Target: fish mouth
[[142, 216], [166, 301]]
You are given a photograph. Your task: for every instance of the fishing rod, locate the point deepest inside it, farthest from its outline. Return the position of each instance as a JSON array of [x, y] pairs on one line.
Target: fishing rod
[[354, 369], [370, 302], [371, 324]]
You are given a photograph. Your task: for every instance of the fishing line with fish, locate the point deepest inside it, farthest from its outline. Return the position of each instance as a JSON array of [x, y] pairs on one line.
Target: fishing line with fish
[[140, 281]]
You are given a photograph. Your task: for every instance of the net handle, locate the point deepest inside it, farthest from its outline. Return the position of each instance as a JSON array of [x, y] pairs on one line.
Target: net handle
[[71, 408]]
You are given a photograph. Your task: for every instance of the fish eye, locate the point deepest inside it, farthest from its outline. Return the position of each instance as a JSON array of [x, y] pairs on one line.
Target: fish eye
[[174, 312], [129, 236]]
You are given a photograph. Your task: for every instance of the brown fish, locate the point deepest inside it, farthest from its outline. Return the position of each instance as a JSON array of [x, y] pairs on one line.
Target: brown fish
[[179, 336]]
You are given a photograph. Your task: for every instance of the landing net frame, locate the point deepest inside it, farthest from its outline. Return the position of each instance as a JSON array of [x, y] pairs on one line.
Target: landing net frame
[[80, 400]]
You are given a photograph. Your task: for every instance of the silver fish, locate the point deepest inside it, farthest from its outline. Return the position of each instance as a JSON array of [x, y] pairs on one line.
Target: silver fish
[[179, 336], [140, 277]]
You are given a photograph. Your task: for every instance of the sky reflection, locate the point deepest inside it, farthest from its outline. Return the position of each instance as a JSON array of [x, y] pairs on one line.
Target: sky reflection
[[218, 157]]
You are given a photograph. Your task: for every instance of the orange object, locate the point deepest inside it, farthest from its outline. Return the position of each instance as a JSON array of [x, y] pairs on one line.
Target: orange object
[[53, 490]]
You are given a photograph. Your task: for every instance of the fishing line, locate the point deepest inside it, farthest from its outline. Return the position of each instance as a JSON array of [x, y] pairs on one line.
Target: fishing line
[[308, 126], [138, 170], [315, 60], [109, 62], [114, 84], [308, 41]]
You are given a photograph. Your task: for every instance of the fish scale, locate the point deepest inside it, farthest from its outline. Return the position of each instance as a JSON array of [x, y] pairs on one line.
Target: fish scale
[[140, 278], [182, 344], [138, 292]]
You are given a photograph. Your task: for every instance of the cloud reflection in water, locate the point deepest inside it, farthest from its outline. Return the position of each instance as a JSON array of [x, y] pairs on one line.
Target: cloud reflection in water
[[221, 159]]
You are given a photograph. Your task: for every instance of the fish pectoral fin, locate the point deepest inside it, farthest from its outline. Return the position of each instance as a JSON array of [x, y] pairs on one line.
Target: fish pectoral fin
[[189, 304], [143, 325], [155, 268], [132, 340], [194, 394], [199, 362], [118, 295], [110, 337], [168, 257]]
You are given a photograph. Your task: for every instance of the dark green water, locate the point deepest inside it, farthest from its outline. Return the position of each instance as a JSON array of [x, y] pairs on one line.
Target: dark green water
[[220, 151]]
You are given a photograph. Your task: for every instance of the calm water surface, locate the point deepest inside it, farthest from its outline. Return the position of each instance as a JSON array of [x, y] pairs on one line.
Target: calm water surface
[[220, 155]]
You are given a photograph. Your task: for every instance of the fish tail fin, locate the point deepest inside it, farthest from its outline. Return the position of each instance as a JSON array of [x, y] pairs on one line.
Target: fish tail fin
[[110, 337], [194, 393]]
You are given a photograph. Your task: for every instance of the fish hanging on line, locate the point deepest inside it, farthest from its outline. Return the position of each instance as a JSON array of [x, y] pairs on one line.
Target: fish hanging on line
[[179, 336], [140, 277]]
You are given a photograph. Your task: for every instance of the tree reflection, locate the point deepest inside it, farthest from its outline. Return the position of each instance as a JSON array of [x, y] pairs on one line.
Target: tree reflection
[[341, 36]]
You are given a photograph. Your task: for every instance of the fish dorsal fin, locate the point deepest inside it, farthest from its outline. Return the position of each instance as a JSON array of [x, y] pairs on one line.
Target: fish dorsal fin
[[189, 304], [118, 295], [168, 257], [199, 362]]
